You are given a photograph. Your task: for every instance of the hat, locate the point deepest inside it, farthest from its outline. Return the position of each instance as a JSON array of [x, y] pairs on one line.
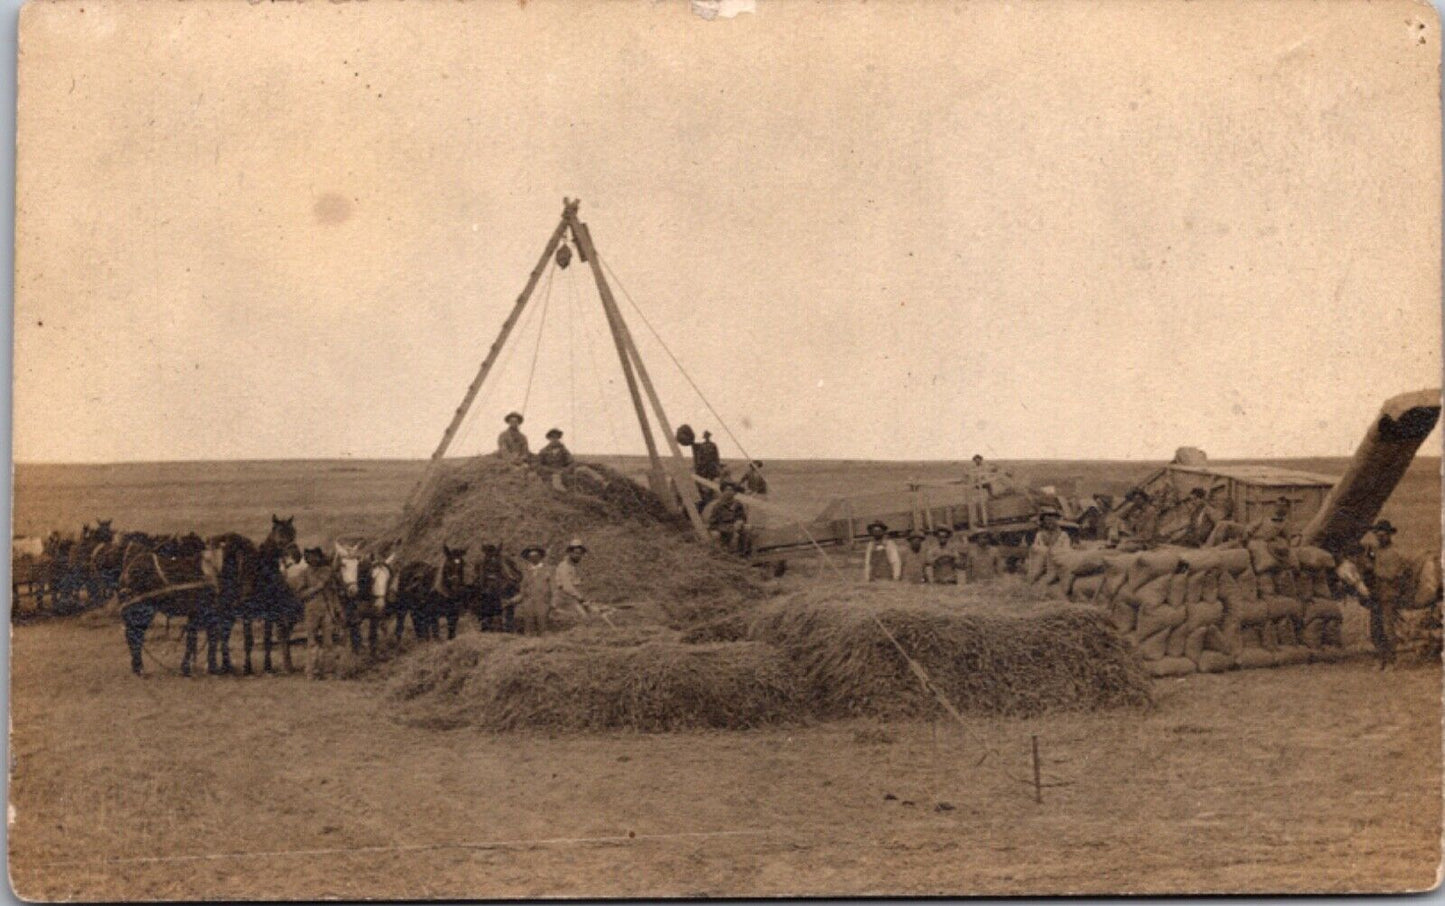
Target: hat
[[943, 530], [532, 547], [1383, 527], [1197, 492], [576, 544], [513, 415], [916, 533], [1049, 511], [1283, 499], [730, 485], [757, 463], [877, 524], [554, 433]]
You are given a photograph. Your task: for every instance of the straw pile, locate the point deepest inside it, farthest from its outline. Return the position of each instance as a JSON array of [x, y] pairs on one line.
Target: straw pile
[[988, 657], [591, 679], [638, 549]]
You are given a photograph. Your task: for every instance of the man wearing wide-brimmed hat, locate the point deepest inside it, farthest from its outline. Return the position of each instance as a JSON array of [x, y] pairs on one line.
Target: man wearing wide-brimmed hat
[[512, 443], [1387, 574], [941, 558], [534, 597], [1049, 539], [555, 454], [881, 561], [567, 580], [911, 564]]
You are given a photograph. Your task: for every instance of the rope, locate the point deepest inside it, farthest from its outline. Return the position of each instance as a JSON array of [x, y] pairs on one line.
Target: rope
[[572, 359], [541, 331], [663, 344]]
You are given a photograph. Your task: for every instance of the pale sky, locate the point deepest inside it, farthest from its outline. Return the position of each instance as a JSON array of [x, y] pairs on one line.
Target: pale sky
[[879, 230]]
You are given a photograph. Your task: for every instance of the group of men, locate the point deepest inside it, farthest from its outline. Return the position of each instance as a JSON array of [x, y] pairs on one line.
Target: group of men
[[512, 446], [543, 589], [929, 558]]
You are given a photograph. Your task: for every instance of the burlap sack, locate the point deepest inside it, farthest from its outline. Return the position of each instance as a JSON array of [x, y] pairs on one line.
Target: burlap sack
[[1280, 607], [1158, 618], [1178, 589], [1235, 561], [1152, 647], [1314, 558], [1251, 658], [1214, 662], [1194, 644], [1290, 655], [1124, 616], [1086, 588], [1178, 639], [1194, 587], [1171, 666]]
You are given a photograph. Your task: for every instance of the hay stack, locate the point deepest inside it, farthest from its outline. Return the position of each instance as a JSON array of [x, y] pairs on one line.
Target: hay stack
[[987, 657], [639, 551], [595, 680]]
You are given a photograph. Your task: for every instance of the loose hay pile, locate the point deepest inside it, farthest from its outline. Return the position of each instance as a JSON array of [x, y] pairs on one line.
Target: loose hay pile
[[594, 680], [638, 549], [988, 656], [814, 654]]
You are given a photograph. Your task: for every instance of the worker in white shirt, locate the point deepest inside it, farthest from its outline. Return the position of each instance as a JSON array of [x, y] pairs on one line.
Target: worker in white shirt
[[567, 581], [881, 562]]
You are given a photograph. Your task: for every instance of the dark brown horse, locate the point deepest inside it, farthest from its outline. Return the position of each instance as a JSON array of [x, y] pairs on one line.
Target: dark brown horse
[[429, 593], [494, 592], [252, 588], [174, 580]]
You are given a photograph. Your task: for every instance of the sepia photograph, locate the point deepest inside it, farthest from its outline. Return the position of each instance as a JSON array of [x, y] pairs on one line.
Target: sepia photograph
[[511, 449]]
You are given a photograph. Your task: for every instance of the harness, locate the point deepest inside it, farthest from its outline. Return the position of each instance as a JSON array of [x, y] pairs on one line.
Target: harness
[[166, 587]]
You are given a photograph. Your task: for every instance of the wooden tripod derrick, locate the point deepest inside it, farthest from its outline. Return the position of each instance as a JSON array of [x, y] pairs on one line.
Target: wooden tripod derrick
[[675, 489]]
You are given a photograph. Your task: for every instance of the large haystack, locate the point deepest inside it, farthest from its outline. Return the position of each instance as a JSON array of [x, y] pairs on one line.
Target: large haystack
[[592, 679], [989, 656], [639, 551]]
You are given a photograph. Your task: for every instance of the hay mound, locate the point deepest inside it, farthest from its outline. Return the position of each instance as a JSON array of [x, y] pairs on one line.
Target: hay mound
[[595, 680], [988, 657], [638, 550]]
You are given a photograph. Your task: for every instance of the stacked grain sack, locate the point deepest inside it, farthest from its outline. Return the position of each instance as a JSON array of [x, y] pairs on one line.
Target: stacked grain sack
[[1208, 610]]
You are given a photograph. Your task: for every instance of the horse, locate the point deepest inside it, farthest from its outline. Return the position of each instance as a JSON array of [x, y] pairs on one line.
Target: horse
[[253, 588], [429, 593], [170, 580], [367, 588], [495, 590], [81, 556], [61, 579], [315, 584]]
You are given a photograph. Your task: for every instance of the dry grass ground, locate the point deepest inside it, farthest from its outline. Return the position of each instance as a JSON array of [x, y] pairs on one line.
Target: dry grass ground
[[1322, 778], [1318, 778]]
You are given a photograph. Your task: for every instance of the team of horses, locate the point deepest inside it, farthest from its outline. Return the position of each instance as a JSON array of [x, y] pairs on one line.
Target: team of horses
[[215, 583]]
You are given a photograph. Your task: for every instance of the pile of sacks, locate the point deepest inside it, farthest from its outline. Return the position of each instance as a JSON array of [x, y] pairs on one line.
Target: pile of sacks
[[1208, 610]]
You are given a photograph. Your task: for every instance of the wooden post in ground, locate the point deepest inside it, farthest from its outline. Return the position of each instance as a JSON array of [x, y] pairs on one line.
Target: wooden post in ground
[[568, 207], [1038, 778]]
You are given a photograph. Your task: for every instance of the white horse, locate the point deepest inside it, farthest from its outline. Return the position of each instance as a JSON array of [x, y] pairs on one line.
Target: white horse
[[368, 588]]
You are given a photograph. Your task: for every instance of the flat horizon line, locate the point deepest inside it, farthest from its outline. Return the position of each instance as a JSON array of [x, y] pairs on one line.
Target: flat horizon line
[[643, 457]]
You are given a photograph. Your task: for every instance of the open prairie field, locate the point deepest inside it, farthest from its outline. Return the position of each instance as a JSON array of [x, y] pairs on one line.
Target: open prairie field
[[337, 497], [1311, 778]]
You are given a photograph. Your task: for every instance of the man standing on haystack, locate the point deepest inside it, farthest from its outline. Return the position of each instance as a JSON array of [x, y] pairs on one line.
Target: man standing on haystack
[[567, 580], [881, 561], [753, 481], [706, 463], [512, 443], [534, 596]]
